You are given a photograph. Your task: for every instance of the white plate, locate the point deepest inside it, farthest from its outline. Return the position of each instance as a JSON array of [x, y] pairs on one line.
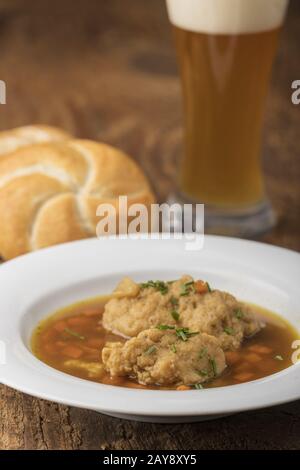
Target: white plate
[[35, 285]]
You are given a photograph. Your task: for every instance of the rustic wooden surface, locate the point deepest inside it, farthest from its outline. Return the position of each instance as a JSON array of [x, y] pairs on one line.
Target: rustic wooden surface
[[106, 70]]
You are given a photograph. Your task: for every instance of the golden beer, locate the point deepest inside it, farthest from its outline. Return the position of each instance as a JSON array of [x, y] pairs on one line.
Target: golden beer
[[224, 95], [225, 50]]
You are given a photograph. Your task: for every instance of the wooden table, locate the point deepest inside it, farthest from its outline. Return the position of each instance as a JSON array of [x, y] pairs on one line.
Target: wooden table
[[106, 70]]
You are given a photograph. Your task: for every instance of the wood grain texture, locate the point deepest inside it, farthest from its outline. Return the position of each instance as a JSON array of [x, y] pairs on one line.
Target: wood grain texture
[[106, 70]]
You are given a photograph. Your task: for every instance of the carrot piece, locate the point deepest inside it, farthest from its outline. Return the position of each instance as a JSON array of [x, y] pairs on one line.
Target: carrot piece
[[78, 321], [91, 312], [183, 387], [60, 325], [72, 351], [95, 342], [232, 357], [243, 376], [49, 335], [260, 349], [50, 348], [201, 287], [253, 358], [94, 357], [90, 350]]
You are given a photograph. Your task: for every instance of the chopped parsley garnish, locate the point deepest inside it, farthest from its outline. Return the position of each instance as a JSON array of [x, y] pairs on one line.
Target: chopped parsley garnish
[[229, 331], [150, 350], [239, 313], [161, 286], [173, 348], [165, 327], [203, 372], [198, 386], [203, 353], [209, 288], [187, 288], [175, 315], [74, 333], [174, 301], [213, 366], [278, 358], [181, 333], [184, 333]]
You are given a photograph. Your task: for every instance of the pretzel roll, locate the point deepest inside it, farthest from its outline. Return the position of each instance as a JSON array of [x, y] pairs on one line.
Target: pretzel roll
[[49, 192], [19, 137]]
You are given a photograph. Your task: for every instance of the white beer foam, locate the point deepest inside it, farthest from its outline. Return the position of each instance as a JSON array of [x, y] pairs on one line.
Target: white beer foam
[[227, 16]]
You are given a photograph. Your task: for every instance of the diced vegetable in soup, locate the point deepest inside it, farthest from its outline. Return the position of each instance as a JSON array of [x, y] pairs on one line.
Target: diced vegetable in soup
[[178, 335]]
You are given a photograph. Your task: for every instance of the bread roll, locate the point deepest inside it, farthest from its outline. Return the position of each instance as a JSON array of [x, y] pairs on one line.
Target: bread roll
[[19, 137], [49, 192]]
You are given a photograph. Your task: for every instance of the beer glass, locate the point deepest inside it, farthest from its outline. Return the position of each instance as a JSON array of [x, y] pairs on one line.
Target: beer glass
[[225, 50]]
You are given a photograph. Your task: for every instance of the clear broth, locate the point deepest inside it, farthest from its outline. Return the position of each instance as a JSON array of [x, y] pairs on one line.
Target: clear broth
[[76, 333]]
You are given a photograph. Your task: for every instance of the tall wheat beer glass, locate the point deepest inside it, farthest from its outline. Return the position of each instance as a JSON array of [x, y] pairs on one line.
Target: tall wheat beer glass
[[225, 50]]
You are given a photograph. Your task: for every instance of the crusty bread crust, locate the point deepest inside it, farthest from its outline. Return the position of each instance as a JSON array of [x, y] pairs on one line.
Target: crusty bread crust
[[49, 192], [21, 136]]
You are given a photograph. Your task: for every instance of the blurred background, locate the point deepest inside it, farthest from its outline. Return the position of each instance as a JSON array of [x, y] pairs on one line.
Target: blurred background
[[107, 70]]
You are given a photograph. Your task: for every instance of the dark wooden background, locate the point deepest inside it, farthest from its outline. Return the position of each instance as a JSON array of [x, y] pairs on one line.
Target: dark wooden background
[[106, 70]]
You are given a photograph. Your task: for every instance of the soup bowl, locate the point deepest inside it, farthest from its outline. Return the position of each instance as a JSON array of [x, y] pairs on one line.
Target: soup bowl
[[35, 285]]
